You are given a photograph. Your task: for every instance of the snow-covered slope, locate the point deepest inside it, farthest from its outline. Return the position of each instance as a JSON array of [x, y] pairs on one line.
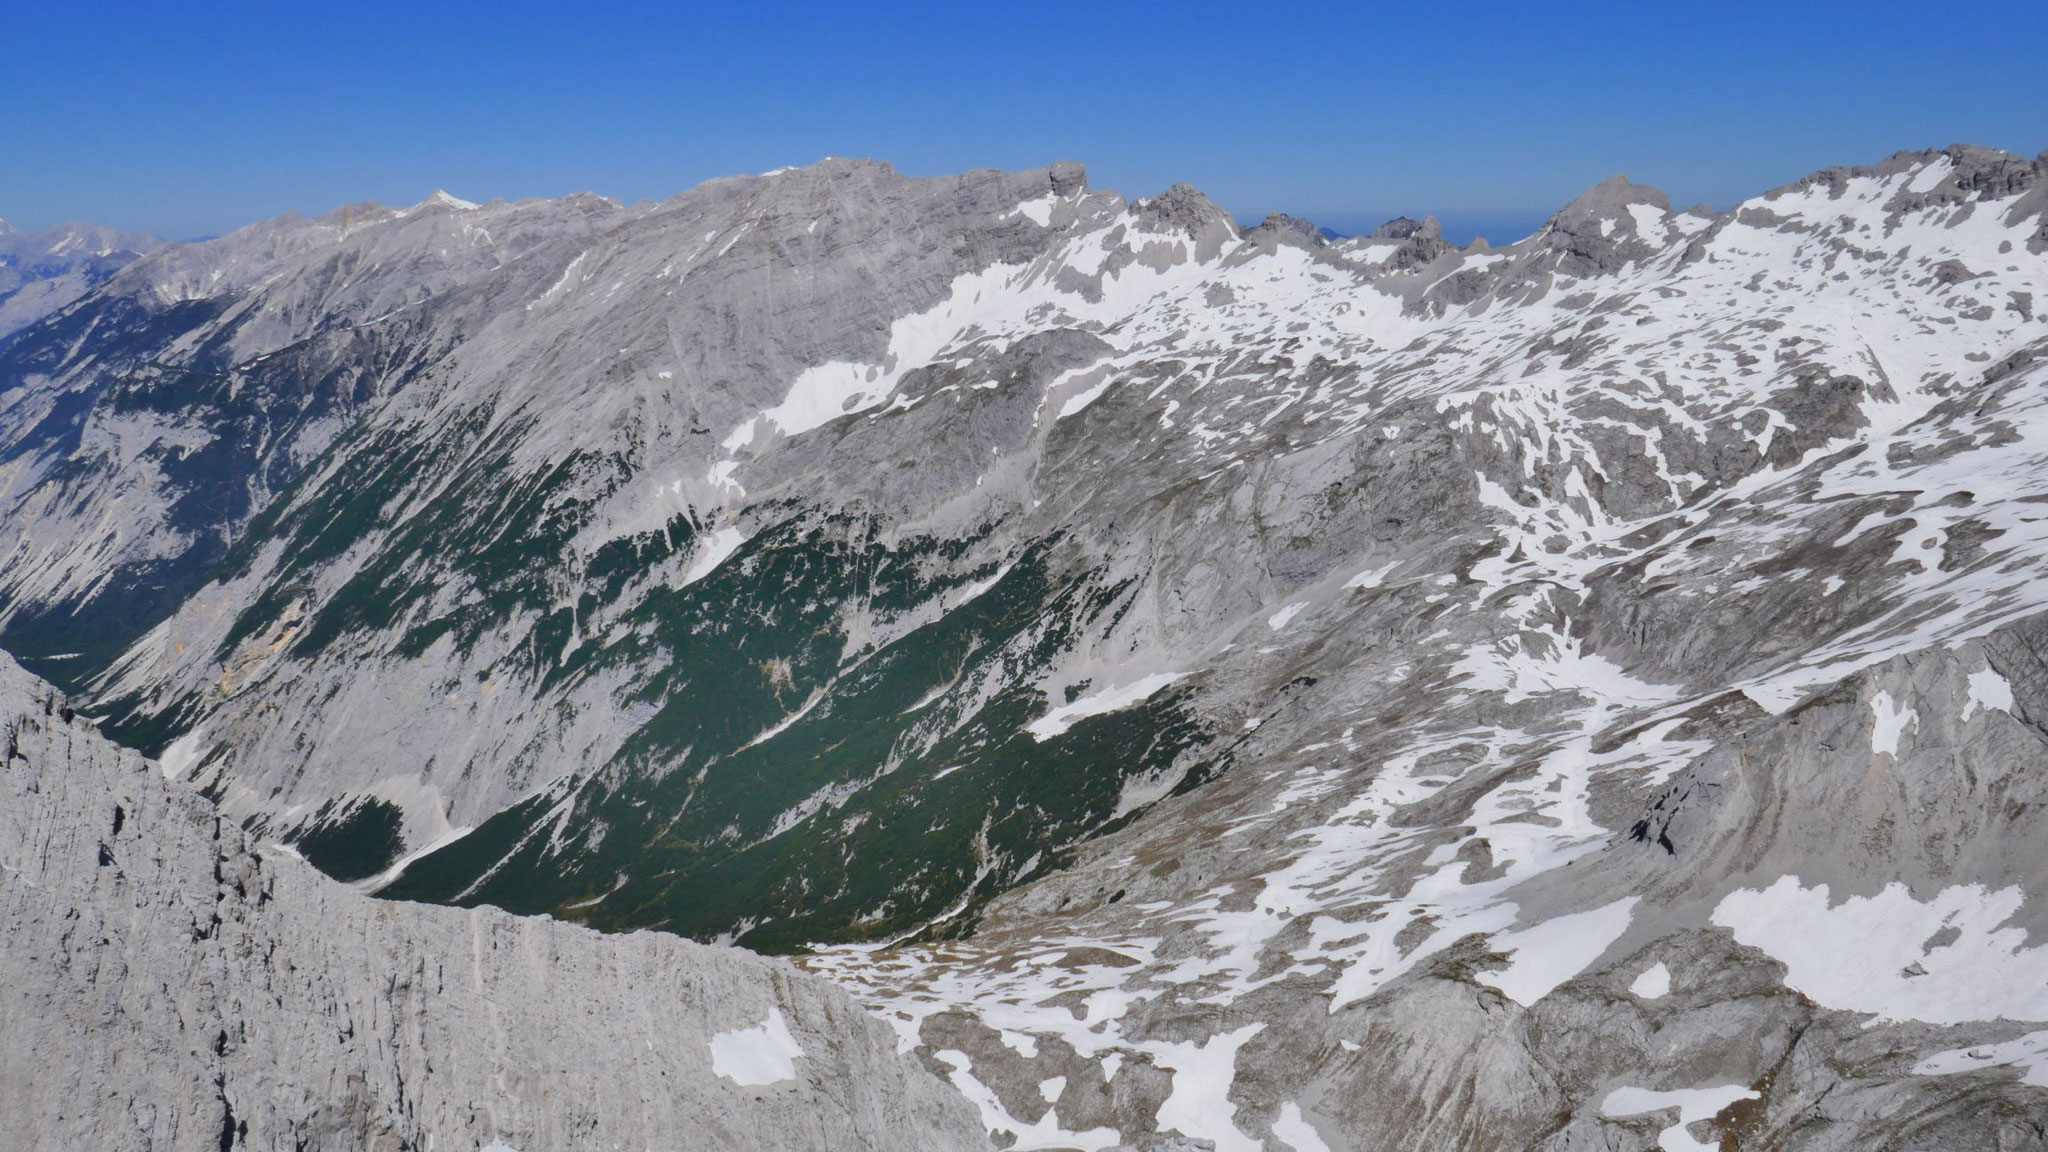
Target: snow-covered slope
[[170, 985], [1438, 643]]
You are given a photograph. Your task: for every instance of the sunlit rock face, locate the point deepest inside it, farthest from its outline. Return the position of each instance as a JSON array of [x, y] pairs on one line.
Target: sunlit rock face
[[1199, 683]]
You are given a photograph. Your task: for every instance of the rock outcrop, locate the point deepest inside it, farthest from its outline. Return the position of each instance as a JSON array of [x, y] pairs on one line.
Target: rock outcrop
[[165, 983]]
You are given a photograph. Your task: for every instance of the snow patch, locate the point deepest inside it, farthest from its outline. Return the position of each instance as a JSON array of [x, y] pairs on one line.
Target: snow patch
[[1296, 1132], [182, 755], [751, 1057], [1890, 724], [1370, 578], [1103, 378], [1548, 954], [1693, 1104], [1989, 691], [1877, 954], [1653, 984], [1538, 662], [1649, 221], [1060, 719], [1278, 620], [1199, 1105], [1039, 211], [1021, 1043], [712, 550], [1776, 696], [2027, 1053]]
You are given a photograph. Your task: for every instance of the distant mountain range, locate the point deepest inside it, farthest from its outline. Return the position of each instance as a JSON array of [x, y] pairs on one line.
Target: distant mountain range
[[43, 271]]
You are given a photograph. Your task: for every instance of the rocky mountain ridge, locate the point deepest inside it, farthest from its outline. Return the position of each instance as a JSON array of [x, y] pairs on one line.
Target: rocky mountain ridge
[[172, 985]]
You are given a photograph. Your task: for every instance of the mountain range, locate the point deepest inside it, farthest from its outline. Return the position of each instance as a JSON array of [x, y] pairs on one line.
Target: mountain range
[[1197, 682]]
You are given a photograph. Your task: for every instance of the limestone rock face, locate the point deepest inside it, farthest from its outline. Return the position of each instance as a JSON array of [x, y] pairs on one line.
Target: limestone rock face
[[171, 985]]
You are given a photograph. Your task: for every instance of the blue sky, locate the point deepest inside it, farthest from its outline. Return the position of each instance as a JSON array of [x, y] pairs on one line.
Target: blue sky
[[194, 118]]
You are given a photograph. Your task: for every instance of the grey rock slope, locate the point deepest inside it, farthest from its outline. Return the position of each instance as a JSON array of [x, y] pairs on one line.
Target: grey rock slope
[[171, 985], [1814, 933]]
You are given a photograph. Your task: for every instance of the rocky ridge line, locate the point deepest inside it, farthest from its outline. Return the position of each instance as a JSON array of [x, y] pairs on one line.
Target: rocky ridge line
[[167, 985]]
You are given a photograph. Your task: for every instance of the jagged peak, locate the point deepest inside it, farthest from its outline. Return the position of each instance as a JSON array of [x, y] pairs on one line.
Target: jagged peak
[[439, 198], [354, 212], [1987, 173], [1611, 197], [1068, 177], [1603, 230], [1965, 157], [1408, 228], [825, 166], [1182, 208], [1991, 173], [1283, 226]]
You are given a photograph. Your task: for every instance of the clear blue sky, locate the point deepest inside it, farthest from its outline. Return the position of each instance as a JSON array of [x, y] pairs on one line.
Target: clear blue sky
[[194, 118]]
